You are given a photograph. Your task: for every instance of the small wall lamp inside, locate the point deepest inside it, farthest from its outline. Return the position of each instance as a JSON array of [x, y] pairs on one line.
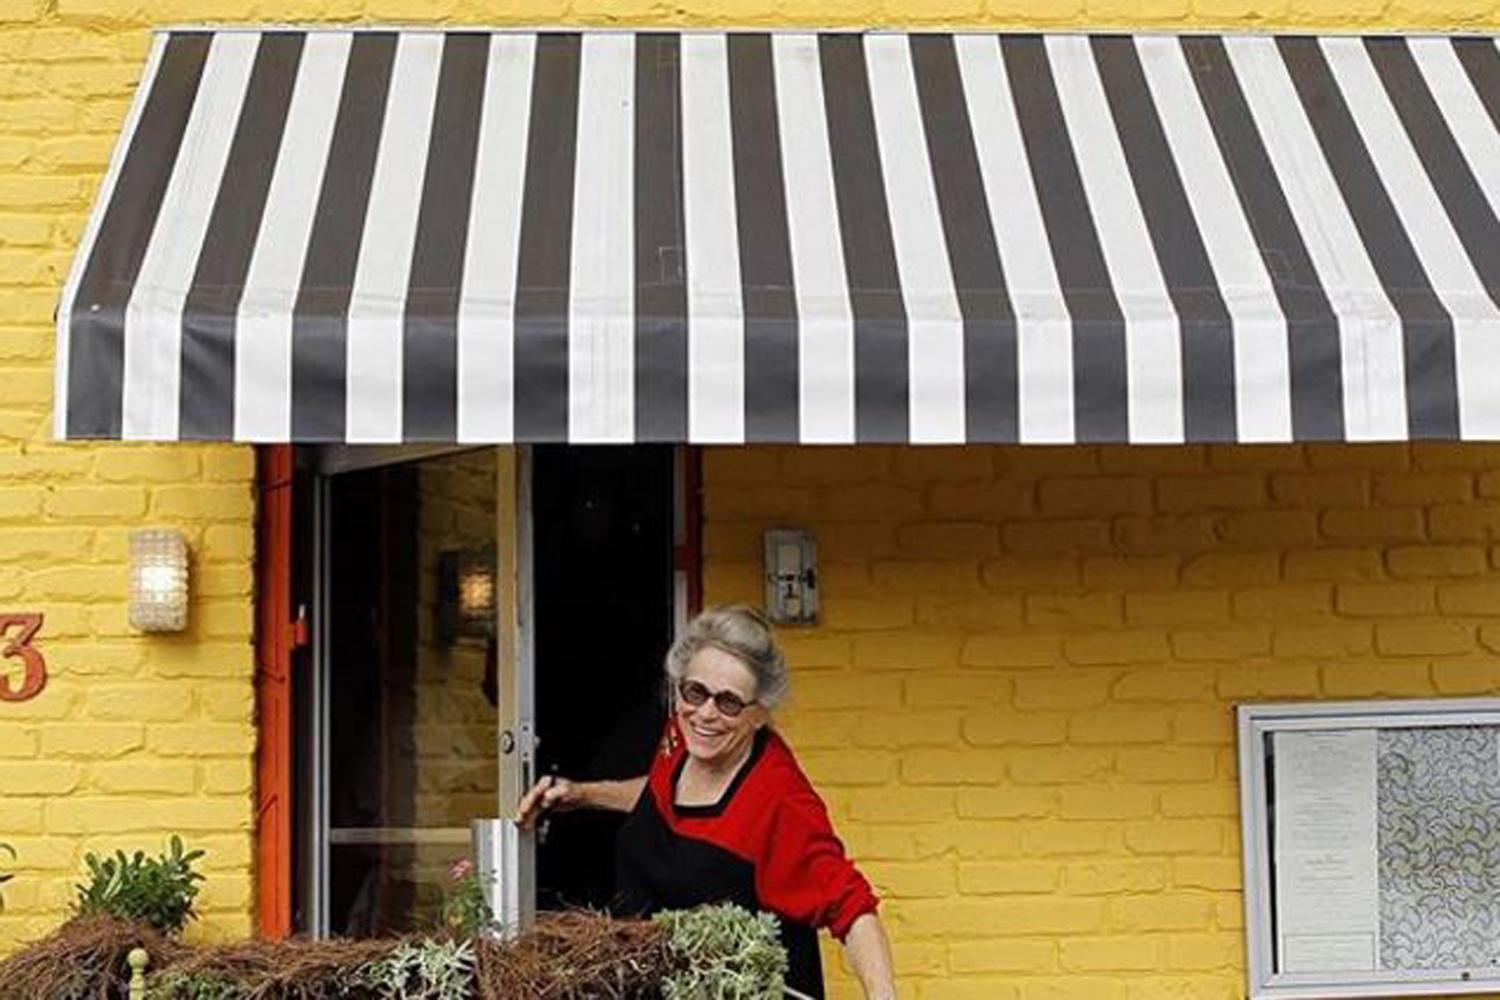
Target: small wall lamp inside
[[467, 594], [158, 580]]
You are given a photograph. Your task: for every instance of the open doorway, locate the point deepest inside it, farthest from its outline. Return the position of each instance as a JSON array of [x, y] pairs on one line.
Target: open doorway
[[603, 523], [403, 715]]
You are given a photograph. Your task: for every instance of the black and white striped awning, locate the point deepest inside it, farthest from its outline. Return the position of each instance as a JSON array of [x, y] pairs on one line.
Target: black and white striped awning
[[380, 236]]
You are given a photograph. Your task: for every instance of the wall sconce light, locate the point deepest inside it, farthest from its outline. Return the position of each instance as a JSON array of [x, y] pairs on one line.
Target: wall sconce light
[[791, 577], [467, 605], [158, 580]]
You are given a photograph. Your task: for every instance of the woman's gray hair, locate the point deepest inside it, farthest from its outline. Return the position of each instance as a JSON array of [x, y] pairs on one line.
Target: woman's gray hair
[[743, 632]]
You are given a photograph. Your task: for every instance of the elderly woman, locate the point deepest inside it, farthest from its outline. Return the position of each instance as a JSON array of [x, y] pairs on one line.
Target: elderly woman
[[727, 815]]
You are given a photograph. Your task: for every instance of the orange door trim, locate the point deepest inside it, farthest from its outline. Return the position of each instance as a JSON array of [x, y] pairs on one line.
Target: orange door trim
[[277, 634]]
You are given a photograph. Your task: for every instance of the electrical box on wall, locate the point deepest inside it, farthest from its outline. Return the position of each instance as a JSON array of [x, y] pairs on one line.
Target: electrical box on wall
[[791, 577]]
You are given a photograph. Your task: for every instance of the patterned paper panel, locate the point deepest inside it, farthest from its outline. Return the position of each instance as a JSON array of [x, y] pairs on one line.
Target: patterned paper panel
[[1439, 844]]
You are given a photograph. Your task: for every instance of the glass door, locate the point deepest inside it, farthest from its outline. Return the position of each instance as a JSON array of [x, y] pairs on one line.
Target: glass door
[[407, 727]]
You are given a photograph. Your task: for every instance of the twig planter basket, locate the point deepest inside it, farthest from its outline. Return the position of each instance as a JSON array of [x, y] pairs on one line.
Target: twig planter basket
[[715, 953]]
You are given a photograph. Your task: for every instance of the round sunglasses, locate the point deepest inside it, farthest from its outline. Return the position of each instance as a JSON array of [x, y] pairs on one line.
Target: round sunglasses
[[728, 703]]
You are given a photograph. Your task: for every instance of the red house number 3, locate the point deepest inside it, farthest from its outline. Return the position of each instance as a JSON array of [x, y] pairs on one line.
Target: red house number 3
[[16, 633]]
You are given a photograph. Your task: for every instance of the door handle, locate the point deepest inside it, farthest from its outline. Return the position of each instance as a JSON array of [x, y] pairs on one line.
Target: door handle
[[527, 742]]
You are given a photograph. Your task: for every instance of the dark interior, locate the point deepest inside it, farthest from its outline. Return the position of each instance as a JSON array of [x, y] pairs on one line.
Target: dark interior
[[603, 547], [373, 629]]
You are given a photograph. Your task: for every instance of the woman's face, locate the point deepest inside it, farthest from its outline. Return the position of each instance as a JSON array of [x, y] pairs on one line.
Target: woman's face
[[713, 737]]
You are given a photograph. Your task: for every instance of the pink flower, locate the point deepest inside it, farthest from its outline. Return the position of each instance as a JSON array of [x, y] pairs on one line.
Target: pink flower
[[461, 869]]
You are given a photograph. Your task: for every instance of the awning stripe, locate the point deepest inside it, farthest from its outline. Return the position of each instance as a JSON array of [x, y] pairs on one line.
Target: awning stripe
[[541, 326], [989, 324], [153, 324], [1481, 61], [1212, 237], [209, 335], [381, 277], [1461, 150], [1100, 386], [825, 363], [1044, 348], [1427, 331], [266, 319], [935, 355], [62, 376], [429, 351], [661, 308], [882, 407], [487, 309], [769, 400], [1467, 310], [601, 336], [1316, 374], [322, 314], [1368, 353], [1153, 350], [96, 373], [384, 236], [1431, 141], [715, 356], [1204, 329]]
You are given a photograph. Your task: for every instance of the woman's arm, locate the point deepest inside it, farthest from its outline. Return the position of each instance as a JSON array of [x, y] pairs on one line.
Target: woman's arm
[[553, 794], [616, 796], [870, 954]]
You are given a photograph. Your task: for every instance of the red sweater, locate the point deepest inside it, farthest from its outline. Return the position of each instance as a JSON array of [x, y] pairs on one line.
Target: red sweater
[[767, 844]]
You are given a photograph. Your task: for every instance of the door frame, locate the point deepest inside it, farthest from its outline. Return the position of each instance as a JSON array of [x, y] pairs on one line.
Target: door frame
[[280, 632], [276, 639], [517, 715]]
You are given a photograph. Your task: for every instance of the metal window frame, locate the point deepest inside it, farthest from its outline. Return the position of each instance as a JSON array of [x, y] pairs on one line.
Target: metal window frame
[[317, 831], [517, 717], [334, 459], [1256, 723]]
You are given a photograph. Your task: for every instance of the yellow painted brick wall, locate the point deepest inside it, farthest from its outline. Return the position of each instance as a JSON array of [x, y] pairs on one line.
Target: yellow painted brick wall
[[133, 738], [1019, 704]]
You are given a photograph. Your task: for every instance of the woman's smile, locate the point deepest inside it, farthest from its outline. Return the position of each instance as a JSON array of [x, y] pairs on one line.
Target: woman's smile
[[706, 732], [705, 738]]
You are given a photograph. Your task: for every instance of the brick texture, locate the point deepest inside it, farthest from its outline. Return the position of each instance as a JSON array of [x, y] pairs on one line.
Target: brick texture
[[1047, 800], [131, 738]]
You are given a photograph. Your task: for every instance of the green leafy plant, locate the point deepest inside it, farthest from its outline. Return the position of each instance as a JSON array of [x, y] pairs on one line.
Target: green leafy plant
[[6, 876], [465, 910], [158, 891], [197, 986], [723, 952], [428, 969]]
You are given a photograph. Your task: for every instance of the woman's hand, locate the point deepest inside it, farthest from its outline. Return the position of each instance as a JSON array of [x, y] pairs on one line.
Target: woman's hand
[[554, 794], [551, 794]]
